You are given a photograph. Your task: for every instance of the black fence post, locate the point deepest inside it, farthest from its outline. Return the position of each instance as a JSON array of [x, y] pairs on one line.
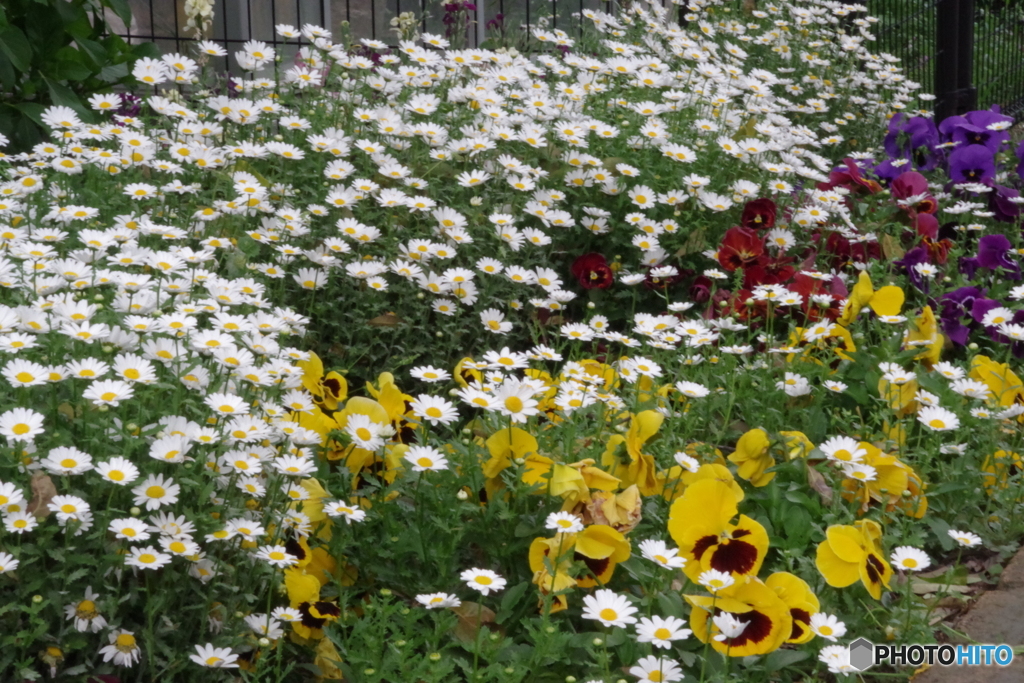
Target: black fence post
[[967, 94], [954, 59], [946, 72]]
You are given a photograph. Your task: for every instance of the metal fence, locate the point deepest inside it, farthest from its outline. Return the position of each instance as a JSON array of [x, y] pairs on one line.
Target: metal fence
[[969, 52], [236, 21]]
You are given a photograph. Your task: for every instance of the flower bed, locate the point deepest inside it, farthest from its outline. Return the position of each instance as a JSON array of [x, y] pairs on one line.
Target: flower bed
[[643, 356]]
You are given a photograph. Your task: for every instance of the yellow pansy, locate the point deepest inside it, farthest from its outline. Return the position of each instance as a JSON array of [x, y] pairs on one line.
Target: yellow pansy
[[886, 301], [327, 391], [924, 328], [753, 458], [768, 619], [800, 599], [636, 467], [700, 522], [852, 553]]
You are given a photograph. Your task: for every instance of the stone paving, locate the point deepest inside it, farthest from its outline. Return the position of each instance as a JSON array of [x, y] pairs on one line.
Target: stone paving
[[996, 617]]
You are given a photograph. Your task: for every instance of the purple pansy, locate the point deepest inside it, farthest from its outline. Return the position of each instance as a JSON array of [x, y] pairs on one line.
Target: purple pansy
[[972, 164]]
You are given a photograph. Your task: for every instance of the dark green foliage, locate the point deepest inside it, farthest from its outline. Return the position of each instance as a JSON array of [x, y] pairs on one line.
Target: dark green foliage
[[58, 52]]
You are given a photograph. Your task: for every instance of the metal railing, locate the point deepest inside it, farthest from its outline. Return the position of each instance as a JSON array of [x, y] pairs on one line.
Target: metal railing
[[237, 21], [969, 52]]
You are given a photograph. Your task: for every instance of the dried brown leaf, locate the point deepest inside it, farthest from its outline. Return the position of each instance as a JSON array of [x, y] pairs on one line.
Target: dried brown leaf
[[472, 615], [817, 482], [43, 492], [386, 320], [890, 247]]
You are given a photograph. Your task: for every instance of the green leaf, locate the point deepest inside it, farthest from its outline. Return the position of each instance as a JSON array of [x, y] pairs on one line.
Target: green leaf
[[671, 603], [63, 95], [798, 524], [146, 50], [70, 69], [113, 73], [511, 599], [17, 48], [7, 73], [524, 529], [32, 110], [121, 9], [780, 659], [93, 49]]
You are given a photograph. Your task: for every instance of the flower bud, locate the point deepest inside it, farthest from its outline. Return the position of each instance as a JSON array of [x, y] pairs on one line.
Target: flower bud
[[462, 495]]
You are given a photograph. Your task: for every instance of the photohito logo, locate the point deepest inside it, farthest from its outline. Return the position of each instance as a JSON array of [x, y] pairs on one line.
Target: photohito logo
[[864, 654]]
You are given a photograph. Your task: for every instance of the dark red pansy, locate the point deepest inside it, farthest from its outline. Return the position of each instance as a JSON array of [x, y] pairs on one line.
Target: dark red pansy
[[661, 283], [938, 250], [801, 620], [766, 271], [874, 567], [294, 548], [307, 619], [759, 627], [851, 177], [700, 289], [759, 214], [593, 272], [702, 544], [734, 556], [926, 225], [597, 567], [740, 248]]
